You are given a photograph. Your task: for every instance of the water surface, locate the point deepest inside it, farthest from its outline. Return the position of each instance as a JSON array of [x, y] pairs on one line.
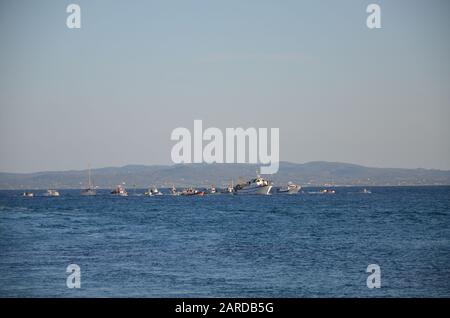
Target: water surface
[[305, 245]]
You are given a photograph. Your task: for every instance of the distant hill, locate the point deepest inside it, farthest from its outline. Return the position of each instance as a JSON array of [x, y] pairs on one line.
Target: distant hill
[[307, 174]]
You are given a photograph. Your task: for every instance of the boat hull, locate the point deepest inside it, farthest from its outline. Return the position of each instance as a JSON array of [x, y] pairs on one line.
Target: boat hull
[[262, 190], [88, 192], [289, 191]]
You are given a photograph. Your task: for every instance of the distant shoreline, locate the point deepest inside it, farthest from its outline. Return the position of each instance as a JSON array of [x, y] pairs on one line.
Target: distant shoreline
[[311, 174], [275, 187]]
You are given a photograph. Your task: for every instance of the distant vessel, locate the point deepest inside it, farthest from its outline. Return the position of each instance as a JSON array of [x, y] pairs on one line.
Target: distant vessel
[[28, 194], [90, 190], [51, 193], [120, 190], [153, 191], [366, 191], [192, 191], [212, 190], [173, 191], [229, 189], [290, 189], [258, 185], [327, 191]]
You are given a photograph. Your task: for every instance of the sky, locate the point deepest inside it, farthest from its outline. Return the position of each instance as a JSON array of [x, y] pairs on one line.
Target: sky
[[111, 93]]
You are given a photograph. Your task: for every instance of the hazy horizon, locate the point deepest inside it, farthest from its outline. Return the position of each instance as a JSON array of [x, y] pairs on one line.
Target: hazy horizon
[[110, 94]]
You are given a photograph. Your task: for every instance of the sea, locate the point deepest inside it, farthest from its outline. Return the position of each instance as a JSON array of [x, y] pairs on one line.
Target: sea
[[304, 245]]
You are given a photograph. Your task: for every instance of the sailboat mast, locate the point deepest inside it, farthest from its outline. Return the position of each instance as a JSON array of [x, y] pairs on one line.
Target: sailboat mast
[[89, 177]]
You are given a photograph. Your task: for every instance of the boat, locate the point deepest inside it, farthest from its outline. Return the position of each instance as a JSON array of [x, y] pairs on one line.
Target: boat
[[229, 189], [173, 191], [212, 190], [28, 194], [327, 191], [120, 191], [366, 191], [90, 190], [258, 185], [152, 192], [51, 193], [290, 189], [192, 191]]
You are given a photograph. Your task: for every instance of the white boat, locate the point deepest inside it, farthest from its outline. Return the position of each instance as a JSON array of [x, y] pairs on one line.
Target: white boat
[[28, 194], [120, 191], [258, 185], [90, 190], [366, 191], [290, 189], [173, 191], [51, 193], [327, 191], [212, 190], [152, 192], [229, 189]]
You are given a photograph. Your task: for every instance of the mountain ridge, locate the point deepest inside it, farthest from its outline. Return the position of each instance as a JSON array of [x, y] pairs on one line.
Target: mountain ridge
[[315, 173]]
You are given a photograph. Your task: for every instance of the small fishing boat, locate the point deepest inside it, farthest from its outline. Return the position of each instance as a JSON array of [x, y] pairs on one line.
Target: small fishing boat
[[173, 191], [28, 194], [192, 191], [290, 189], [120, 191], [229, 189], [51, 193], [365, 191], [153, 191], [327, 191], [212, 190]]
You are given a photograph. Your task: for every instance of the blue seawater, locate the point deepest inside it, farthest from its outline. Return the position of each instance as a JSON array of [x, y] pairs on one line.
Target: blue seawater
[[305, 245]]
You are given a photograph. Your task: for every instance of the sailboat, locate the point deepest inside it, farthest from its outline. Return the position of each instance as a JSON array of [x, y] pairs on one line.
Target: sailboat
[[90, 190]]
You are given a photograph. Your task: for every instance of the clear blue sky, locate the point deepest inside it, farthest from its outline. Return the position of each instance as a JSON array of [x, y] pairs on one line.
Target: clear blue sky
[[110, 93]]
